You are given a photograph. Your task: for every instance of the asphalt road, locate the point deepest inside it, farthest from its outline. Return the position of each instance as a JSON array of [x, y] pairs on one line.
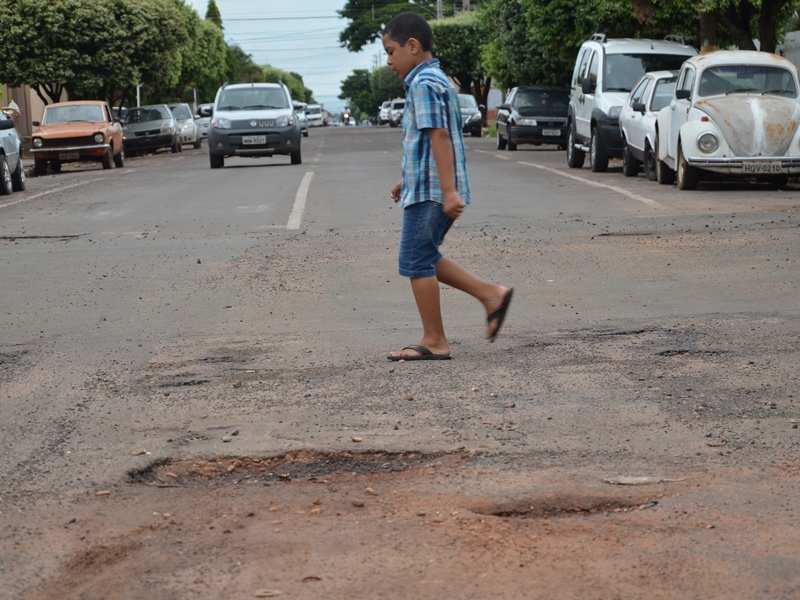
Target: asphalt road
[[164, 306]]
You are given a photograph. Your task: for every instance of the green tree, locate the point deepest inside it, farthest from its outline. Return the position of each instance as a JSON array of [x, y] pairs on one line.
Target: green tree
[[367, 18], [213, 14], [454, 45], [385, 85], [357, 88]]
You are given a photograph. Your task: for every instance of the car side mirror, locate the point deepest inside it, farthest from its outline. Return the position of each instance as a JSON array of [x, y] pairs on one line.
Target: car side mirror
[[588, 86], [639, 107], [683, 94], [35, 123], [207, 111], [505, 107], [7, 124], [481, 107]]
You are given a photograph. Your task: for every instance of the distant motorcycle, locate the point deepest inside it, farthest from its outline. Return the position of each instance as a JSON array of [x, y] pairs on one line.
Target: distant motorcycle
[[346, 117]]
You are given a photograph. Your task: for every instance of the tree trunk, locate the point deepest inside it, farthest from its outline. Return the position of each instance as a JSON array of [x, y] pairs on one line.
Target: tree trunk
[[708, 32]]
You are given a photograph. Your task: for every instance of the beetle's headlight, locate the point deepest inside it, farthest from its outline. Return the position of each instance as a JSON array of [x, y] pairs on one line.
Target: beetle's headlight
[[221, 123], [707, 142], [37, 142], [98, 137], [527, 121]]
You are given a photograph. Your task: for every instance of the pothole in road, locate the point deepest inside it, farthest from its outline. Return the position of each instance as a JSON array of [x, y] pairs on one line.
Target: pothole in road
[[566, 506], [302, 465]]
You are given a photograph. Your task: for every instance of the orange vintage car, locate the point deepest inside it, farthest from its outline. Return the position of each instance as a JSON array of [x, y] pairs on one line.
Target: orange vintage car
[[77, 131]]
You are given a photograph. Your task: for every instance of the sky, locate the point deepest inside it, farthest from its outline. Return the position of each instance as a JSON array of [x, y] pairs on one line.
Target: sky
[[301, 36]]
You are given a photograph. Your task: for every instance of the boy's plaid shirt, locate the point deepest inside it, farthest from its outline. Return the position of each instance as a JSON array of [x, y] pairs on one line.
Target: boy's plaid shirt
[[431, 103]]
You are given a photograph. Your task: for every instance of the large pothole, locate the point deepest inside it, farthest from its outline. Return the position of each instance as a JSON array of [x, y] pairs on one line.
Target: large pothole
[[568, 505], [302, 465]]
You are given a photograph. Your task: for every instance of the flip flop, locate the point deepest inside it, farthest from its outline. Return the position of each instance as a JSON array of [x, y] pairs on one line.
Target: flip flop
[[500, 314], [424, 354]]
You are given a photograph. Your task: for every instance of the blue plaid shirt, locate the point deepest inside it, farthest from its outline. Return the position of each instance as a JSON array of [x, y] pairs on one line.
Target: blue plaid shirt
[[431, 103]]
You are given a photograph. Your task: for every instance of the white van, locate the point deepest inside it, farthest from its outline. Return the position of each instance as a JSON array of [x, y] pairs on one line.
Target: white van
[[315, 115], [396, 112]]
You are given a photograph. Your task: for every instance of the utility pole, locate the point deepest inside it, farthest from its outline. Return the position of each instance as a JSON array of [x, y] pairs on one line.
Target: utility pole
[[438, 10]]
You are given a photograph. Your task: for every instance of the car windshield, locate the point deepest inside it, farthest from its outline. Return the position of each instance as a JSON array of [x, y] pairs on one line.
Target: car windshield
[[182, 112], [314, 110], [255, 98], [541, 102], [73, 114], [146, 114], [467, 101], [747, 79], [623, 71], [665, 89]]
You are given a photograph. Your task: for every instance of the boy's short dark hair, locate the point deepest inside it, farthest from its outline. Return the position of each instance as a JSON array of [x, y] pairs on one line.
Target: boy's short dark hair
[[410, 25]]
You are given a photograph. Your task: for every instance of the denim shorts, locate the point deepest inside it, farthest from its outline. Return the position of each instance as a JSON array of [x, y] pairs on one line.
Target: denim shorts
[[424, 228]]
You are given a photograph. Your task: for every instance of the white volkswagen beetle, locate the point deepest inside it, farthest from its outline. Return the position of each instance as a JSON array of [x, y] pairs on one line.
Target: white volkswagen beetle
[[734, 112]]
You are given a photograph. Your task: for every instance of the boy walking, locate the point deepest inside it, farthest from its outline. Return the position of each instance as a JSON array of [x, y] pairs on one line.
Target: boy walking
[[434, 190]]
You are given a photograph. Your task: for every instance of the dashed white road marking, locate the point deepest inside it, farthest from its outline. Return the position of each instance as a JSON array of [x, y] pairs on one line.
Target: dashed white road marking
[[296, 216], [619, 190], [41, 194]]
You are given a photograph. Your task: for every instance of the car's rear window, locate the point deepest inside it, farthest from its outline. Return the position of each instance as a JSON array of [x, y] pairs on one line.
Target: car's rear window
[[623, 71], [665, 89], [146, 114], [73, 114], [252, 98]]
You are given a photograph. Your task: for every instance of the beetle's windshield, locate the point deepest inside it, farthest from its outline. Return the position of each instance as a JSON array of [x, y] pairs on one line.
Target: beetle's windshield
[[747, 79]]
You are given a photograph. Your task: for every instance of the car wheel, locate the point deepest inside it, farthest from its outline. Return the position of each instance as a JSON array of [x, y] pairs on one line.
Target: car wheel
[[511, 145], [39, 166], [305, 134], [575, 156], [649, 162], [176, 147], [598, 159], [664, 175], [198, 144], [501, 143], [777, 182], [106, 160], [6, 185], [18, 177], [217, 161], [55, 166], [686, 175], [630, 166], [119, 159], [297, 158]]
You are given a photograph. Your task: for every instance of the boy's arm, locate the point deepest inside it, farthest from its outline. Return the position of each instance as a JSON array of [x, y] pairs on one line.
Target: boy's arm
[[443, 155]]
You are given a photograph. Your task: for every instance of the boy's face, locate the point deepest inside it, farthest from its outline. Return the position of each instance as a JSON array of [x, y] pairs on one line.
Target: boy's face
[[401, 59]]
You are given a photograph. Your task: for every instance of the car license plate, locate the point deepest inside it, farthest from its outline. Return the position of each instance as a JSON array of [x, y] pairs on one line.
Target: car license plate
[[69, 156], [551, 132], [760, 168], [254, 140]]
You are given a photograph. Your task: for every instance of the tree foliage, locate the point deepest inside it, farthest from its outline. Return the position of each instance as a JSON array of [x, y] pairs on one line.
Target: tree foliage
[[385, 85], [357, 89], [454, 45]]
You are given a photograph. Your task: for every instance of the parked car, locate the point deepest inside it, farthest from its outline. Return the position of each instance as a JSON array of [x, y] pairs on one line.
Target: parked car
[[533, 114], [188, 131], [253, 120], [471, 116], [735, 113], [149, 129], [315, 115], [637, 121], [204, 119], [302, 118], [383, 114], [396, 110], [80, 131], [12, 171], [604, 74]]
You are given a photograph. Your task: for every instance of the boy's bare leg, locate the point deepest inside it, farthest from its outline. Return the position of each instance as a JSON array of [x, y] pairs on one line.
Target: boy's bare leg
[[449, 272], [426, 295]]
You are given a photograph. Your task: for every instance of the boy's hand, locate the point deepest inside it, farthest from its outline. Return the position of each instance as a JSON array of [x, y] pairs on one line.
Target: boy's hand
[[394, 194], [453, 205]]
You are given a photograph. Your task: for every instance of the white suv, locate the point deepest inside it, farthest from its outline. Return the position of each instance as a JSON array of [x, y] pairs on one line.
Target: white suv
[[396, 111], [605, 72]]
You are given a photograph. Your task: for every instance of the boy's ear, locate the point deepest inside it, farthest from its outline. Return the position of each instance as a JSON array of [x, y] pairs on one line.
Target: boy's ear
[[413, 45]]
